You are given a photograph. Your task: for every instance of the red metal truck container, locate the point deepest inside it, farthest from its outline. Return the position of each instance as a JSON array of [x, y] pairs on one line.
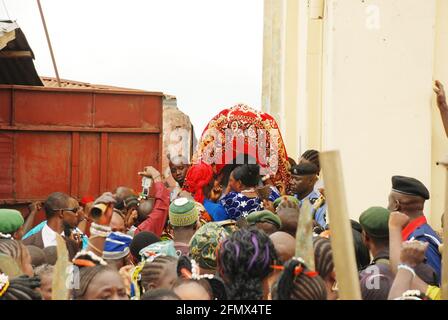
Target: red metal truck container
[[78, 141]]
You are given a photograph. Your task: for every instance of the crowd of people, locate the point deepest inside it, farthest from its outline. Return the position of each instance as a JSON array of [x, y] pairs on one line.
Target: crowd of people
[[219, 232]]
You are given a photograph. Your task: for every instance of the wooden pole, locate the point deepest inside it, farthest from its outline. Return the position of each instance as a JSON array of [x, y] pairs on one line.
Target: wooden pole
[[60, 290], [47, 35], [445, 237], [304, 235], [341, 231]]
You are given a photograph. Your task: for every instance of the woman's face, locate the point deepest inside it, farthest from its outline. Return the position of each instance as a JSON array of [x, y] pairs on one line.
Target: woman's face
[[216, 191], [45, 289], [234, 184], [107, 285]]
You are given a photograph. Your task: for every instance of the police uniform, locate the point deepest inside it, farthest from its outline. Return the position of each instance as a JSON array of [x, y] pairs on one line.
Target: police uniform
[[317, 200], [419, 229]]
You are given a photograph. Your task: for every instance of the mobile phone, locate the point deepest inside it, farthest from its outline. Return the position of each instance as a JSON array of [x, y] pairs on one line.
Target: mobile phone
[[146, 184]]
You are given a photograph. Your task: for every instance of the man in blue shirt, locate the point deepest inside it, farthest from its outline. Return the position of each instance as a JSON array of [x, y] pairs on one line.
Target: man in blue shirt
[[408, 196], [303, 179]]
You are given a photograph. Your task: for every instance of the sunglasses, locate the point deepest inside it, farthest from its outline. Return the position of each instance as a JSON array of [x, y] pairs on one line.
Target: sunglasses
[[72, 210]]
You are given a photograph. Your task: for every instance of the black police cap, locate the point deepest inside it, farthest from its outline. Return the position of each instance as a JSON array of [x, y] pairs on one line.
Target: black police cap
[[409, 186]]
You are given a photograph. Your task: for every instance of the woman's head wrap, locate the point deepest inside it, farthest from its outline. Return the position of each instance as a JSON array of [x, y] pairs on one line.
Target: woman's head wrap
[[198, 176], [204, 244]]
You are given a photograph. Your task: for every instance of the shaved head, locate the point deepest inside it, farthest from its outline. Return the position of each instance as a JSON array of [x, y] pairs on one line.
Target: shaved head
[[284, 244], [122, 193], [289, 218], [144, 209], [404, 203]]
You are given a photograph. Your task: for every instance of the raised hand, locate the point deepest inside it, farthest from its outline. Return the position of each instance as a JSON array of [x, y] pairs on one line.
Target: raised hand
[[398, 220], [151, 172], [413, 253], [441, 96]]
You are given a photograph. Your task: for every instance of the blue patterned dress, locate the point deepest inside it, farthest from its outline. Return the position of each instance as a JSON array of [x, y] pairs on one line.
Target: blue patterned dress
[[237, 205]]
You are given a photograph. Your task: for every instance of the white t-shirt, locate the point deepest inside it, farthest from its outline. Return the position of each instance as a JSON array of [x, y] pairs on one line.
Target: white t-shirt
[[48, 236]]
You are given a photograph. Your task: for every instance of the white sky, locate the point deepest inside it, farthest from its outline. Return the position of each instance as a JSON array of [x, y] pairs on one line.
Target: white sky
[[208, 53]]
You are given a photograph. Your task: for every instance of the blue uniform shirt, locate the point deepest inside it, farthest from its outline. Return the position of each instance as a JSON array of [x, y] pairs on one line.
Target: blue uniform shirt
[[321, 213], [425, 233]]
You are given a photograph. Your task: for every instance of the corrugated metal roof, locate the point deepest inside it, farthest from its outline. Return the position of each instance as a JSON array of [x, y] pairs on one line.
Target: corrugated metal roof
[[53, 83], [16, 70]]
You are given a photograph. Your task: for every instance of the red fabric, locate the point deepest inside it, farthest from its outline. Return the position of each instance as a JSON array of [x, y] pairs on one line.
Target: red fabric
[[197, 177], [155, 222], [245, 123], [86, 199], [410, 228]]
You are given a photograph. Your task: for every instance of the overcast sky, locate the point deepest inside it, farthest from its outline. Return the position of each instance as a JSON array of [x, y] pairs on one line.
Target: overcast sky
[[208, 53]]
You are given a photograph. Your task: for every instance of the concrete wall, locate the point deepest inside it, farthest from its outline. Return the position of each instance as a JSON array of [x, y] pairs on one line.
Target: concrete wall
[[439, 140], [368, 76], [378, 89]]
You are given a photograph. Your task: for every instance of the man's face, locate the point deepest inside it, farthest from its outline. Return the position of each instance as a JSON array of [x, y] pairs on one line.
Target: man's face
[[71, 216], [302, 184], [178, 171]]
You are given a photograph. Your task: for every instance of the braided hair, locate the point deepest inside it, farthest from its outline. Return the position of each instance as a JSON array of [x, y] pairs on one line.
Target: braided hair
[[213, 284], [86, 275], [87, 272], [15, 249], [323, 256], [300, 286], [153, 271], [22, 288], [244, 260], [312, 156]]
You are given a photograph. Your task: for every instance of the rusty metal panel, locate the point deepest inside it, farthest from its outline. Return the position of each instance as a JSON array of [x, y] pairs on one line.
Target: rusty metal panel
[[153, 112], [42, 164], [127, 111], [129, 154], [89, 164], [74, 178], [34, 107], [49, 141], [5, 107], [6, 164]]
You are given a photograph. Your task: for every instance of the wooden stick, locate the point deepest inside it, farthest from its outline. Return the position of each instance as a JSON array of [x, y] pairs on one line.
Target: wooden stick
[[341, 231], [47, 35], [60, 276], [445, 236], [304, 235]]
